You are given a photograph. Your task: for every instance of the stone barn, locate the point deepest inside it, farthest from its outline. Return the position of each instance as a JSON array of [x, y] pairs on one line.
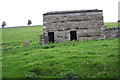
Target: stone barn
[[60, 26]]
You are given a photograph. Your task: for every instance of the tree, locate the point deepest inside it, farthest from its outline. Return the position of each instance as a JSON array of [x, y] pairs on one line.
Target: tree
[[3, 24], [29, 22]]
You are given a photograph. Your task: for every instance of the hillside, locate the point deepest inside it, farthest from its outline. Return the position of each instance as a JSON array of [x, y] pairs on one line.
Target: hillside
[[80, 59], [110, 24]]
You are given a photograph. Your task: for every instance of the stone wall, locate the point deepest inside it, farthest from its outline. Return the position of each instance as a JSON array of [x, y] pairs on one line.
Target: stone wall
[[88, 24], [112, 33]]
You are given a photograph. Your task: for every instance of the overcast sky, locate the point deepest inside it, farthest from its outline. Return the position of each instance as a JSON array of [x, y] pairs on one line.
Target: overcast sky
[[17, 12]]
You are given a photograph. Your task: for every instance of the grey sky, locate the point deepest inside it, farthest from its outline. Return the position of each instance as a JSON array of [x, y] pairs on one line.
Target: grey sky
[[17, 12], [119, 10]]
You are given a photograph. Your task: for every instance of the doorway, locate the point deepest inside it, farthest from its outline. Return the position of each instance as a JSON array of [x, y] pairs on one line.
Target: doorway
[[51, 37], [73, 35]]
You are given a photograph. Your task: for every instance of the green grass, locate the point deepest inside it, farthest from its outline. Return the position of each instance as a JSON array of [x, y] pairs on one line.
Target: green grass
[[110, 24], [0, 54], [21, 34], [81, 59]]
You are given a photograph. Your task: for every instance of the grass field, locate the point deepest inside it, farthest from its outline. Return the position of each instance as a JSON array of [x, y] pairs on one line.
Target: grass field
[[110, 24], [80, 59]]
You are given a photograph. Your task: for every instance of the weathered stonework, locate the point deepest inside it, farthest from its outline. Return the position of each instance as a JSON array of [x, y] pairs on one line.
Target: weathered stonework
[[63, 26], [112, 33]]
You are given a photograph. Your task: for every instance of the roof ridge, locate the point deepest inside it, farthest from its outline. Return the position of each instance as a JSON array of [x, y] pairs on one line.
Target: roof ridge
[[71, 11]]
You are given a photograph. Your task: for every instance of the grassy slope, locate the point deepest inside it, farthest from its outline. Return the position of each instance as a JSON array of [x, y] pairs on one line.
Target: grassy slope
[[88, 59], [0, 54], [21, 34], [110, 24]]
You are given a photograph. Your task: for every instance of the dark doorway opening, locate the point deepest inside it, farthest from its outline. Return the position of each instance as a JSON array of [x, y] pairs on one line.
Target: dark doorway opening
[[51, 37], [73, 35]]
